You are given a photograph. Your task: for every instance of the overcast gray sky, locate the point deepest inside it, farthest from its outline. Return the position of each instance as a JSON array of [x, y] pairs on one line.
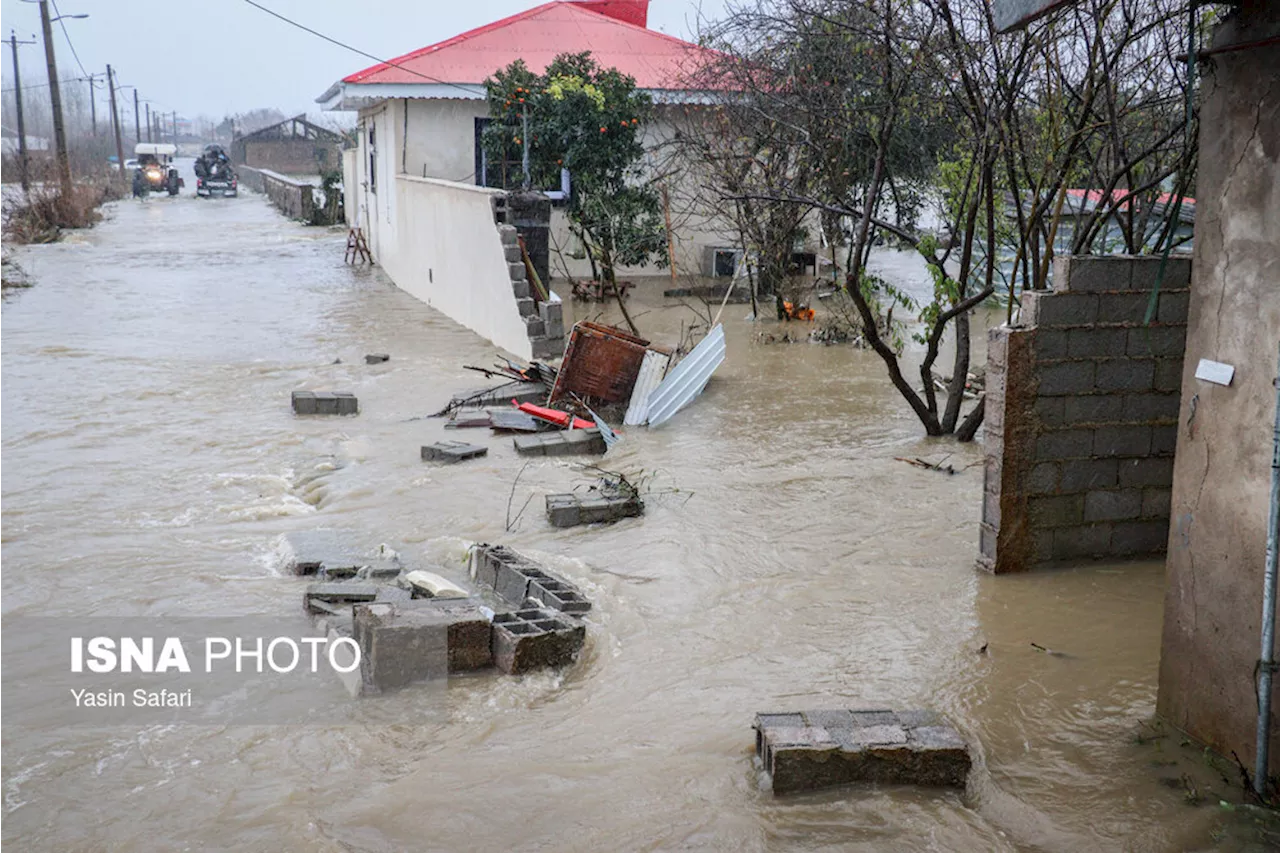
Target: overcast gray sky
[[224, 56]]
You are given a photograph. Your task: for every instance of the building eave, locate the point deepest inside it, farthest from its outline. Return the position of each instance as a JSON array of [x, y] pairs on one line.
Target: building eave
[[357, 96]]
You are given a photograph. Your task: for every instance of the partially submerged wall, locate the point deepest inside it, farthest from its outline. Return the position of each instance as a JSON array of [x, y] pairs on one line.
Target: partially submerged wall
[[295, 199], [1217, 544], [450, 255], [1082, 401]]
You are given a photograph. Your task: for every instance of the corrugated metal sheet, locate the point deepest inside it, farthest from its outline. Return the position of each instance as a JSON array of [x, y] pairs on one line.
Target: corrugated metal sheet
[[652, 370], [688, 378], [600, 363]]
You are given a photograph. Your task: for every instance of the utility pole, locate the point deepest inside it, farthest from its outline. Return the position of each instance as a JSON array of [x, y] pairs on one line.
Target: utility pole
[[115, 121], [175, 127], [22, 127], [55, 99], [148, 122], [93, 102], [137, 125]]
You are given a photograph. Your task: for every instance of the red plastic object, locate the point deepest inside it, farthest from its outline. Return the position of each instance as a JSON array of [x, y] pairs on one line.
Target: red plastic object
[[554, 416]]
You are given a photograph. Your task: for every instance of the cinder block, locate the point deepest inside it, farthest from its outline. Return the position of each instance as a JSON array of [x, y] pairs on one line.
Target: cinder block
[[830, 748], [533, 639], [516, 271], [1058, 511], [1140, 537], [326, 552], [1164, 440], [1130, 440], [403, 643], [304, 402], [1064, 444], [1093, 409], [520, 290], [320, 594], [1043, 480], [513, 255], [1113, 505], [568, 510], [1177, 273], [1097, 342], [526, 307], [509, 235], [377, 358], [1082, 475], [1087, 540], [1174, 307], [534, 326], [559, 595], [1156, 503], [555, 329], [998, 347], [567, 442], [1151, 407], [512, 582], [1050, 411], [1066, 377], [324, 403], [548, 347], [1168, 341], [452, 451], [1064, 309], [1051, 343], [552, 311], [1168, 375], [1140, 473], [1094, 273], [1125, 374], [1121, 307], [530, 445]]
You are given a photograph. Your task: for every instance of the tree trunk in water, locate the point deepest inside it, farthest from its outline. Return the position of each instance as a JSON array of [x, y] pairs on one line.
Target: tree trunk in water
[[969, 426]]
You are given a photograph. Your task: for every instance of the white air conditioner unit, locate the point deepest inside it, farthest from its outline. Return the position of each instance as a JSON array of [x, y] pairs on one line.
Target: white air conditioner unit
[[720, 261]]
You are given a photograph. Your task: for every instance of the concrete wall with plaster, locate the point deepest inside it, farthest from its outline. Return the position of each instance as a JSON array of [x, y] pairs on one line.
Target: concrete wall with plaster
[[436, 139], [1217, 538], [449, 255], [1082, 401]]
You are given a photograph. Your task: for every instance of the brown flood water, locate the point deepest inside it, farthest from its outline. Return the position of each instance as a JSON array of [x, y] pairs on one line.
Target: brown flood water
[[151, 466]]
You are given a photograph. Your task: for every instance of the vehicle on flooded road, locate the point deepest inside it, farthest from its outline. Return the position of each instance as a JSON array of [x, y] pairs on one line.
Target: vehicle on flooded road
[[155, 170], [214, 175]]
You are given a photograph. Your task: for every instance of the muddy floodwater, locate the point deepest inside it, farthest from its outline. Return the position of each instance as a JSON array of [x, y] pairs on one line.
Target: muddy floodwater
[[151, 466]]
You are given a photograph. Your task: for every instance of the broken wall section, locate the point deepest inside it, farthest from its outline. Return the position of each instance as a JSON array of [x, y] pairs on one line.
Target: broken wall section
[[1082, 406]]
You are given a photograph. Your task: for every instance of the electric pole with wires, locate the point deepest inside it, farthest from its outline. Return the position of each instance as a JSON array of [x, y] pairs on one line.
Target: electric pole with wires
[[23, 159]]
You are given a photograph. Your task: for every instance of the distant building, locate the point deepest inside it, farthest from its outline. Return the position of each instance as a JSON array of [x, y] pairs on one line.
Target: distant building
[[294, 146]]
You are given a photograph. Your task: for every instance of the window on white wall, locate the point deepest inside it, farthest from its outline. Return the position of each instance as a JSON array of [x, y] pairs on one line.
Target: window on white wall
[[373, 157]]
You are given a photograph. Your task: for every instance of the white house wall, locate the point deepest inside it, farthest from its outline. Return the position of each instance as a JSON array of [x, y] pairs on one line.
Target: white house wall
[[450, 256], [440, 142]]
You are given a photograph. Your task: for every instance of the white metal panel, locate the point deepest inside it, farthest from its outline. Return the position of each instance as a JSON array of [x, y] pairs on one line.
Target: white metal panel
[[652, 369], [688, 378]]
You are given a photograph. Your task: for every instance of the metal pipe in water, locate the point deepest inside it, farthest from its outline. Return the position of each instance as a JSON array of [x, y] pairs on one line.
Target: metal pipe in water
[[1266, 660]]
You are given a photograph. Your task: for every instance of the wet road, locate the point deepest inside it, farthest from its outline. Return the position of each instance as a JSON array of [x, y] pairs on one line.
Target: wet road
[[151, 465]]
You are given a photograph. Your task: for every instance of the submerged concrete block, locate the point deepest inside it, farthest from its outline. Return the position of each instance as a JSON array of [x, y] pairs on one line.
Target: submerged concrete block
[[809, 750], [452, 451], [567, 442], [376, 358], [333, 598], [515, 577], [325, 403], [407, 642], [535, 639], [568, 510], [322, 552]]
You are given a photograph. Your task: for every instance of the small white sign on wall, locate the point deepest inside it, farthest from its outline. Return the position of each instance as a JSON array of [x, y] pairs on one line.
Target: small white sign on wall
[[1215, 371]]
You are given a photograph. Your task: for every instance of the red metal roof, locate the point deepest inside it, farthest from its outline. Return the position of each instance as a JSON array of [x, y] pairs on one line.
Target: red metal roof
[[538, 35]]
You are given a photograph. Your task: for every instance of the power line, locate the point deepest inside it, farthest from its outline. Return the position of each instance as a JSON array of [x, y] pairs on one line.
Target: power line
[[45, 85], [67, 36], [358, 50]]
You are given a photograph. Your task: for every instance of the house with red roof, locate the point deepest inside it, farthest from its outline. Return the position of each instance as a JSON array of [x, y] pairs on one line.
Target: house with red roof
[[421, 116]]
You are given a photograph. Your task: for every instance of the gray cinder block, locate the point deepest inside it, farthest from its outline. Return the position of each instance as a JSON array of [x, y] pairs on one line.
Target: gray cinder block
[[452, 451], [535, 639], [810, 750]]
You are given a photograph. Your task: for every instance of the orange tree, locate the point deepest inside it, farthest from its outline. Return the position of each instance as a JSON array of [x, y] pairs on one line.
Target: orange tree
[[588, 120]]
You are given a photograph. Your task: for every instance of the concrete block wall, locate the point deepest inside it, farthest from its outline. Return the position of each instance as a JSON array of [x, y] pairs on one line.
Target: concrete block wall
[[1082, 408], [295, 199], [544, 321]]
